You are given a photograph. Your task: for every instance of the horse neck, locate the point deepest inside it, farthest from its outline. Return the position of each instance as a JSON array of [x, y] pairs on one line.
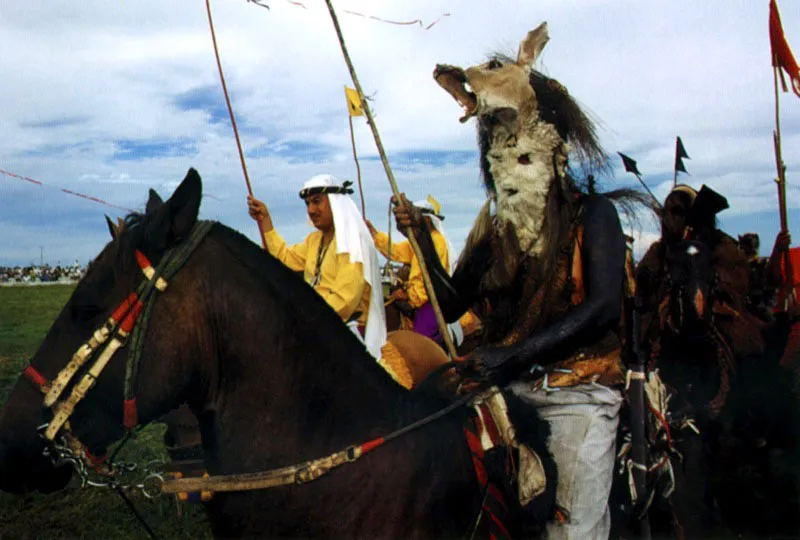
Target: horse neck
[[286, 377]]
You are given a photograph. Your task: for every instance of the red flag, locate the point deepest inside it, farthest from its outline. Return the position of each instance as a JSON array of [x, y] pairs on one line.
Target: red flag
[[782, 56]]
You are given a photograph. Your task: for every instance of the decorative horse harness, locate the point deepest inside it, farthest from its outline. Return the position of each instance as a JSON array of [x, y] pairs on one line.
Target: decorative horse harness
[[122, 327], [105, 342]]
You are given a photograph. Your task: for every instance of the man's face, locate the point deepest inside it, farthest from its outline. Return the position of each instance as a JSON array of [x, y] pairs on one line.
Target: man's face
[[673, 224], [319, 211]]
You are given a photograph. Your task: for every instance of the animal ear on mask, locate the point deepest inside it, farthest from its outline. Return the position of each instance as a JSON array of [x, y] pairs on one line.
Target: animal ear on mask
[[153, 202], [532, 46]]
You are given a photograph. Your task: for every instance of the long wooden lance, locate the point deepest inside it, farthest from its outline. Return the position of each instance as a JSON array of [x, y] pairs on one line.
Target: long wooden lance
[[230, 112], [445, 331]]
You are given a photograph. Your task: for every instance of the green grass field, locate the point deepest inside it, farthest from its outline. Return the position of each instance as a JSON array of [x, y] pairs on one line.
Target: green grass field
[[26, 314]]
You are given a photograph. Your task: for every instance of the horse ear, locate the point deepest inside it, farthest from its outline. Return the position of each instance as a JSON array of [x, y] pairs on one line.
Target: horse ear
[[532, 46], [112, 228], [173, 220], [153, 202], [184, 205]]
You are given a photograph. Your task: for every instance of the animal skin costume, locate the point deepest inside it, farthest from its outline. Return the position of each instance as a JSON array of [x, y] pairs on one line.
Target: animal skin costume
[[549, 260]]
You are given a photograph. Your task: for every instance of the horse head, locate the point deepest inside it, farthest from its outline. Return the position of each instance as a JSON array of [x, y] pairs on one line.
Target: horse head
[[690, 288], [83, 400]]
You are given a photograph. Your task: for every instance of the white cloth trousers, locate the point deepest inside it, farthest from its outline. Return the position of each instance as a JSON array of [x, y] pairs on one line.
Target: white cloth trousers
[[583, 429]]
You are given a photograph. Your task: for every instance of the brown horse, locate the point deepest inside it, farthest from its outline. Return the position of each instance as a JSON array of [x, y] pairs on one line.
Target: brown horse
[[739, 475], [274, 378]]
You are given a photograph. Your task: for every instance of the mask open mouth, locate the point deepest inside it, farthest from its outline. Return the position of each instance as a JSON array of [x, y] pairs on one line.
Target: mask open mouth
[[454, 81]]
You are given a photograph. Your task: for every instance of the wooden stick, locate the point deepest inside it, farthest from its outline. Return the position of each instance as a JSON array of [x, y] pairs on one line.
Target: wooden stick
[[784, 296], [781, 167], [230, 112], [358, 167], [411, 238]]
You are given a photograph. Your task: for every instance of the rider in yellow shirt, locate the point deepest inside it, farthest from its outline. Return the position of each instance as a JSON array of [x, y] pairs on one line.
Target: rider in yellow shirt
[[424, 318], [338, 259]]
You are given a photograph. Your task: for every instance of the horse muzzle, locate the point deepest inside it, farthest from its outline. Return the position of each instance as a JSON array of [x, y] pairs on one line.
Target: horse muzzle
[[27, 470]]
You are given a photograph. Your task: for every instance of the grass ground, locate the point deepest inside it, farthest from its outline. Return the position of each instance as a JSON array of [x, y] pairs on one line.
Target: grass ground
[[26, 314]]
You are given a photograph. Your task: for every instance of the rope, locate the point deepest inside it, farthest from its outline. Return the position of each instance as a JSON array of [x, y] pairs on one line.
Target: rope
[[480, 512], [64, 190], [136, 513]]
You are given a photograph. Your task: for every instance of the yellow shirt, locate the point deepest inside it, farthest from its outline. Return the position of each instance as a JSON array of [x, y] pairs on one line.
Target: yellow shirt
[[402, 252], [342, 283]]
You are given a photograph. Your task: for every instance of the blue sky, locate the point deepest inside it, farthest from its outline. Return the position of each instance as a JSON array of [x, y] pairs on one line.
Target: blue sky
[[110, 99]]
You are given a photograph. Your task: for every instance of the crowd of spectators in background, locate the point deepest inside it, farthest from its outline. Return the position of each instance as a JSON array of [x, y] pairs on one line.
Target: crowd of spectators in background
[[10, 275]]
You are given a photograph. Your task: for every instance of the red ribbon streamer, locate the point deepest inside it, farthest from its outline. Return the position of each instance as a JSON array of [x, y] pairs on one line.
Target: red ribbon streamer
[[64, 190]]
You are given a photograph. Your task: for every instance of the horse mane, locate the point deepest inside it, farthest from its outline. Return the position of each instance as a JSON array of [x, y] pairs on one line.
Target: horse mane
[[285, 284], [275, 276]]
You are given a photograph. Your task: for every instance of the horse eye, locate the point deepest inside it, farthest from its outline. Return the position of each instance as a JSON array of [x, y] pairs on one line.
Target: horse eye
[[494, 64]]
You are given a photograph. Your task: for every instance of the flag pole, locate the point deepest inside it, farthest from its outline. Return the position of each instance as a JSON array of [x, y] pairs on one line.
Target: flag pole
[[358, 166], [675, 167], [781, 167], [675, 174], [631, 168], [639, 178], [780, 180], [445, 331]]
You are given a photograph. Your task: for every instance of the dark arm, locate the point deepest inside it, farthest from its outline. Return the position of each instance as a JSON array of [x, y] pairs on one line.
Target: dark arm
[[458, 292], [603, 253]]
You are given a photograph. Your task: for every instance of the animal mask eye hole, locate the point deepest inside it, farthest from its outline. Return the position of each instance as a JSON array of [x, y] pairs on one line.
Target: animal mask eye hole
[[524, 159]]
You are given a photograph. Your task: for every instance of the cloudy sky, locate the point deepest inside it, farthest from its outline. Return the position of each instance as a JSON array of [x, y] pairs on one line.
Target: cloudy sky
[[112, 98]]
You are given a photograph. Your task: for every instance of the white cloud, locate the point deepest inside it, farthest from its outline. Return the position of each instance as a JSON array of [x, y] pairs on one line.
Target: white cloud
[[79, 77]]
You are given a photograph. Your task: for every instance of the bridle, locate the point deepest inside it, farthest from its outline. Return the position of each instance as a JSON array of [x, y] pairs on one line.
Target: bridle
[[677, 292], [127, 326], [119, 330], [723, 353]]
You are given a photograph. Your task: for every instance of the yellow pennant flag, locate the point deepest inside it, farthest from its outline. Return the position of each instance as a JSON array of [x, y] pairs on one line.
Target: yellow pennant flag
[[353, 102], [437, 208]]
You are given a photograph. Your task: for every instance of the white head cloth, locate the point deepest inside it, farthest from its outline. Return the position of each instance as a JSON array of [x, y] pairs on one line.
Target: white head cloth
[[455, 327], [353, 238]]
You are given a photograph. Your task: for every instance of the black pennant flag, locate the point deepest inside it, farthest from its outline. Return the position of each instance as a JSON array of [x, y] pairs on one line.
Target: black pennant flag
[[630, 165], [680, 153]]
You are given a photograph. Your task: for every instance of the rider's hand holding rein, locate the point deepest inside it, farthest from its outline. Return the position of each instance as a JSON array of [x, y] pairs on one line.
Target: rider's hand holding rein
[[259, 212]]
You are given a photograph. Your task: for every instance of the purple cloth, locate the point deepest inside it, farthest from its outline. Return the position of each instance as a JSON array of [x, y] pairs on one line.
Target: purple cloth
[[425, 322]]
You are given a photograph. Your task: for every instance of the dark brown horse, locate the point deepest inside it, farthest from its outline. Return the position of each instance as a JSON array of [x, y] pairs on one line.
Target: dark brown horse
[[274, 378], [739, 476]]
